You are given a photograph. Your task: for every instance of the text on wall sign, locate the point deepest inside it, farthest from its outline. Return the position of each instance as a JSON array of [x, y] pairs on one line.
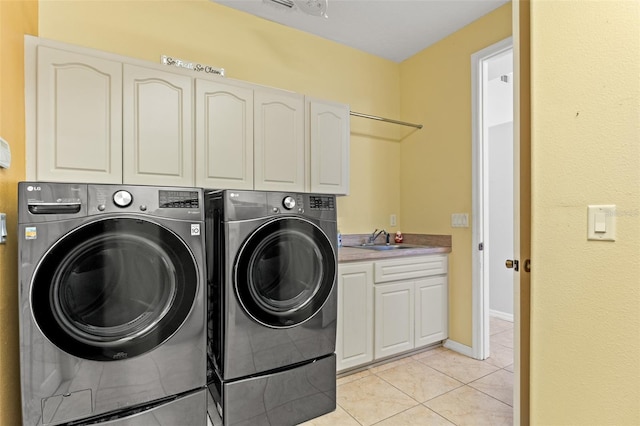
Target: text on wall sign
[[180, 63]]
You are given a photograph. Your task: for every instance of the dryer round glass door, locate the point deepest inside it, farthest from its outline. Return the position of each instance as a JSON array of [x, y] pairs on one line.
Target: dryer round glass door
[[285, 272], [114, 288]]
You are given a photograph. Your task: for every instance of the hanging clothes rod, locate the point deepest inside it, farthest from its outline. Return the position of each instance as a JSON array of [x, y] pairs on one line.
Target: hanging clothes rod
[[388, 120]]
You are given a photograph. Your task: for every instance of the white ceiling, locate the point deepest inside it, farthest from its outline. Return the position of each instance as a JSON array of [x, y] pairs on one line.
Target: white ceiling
[[391, 29]]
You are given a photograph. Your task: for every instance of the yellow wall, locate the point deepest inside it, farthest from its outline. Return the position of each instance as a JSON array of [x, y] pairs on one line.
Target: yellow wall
[[16, 19], [585, 295], [263, 52], [585, 313], [436, 162], [249, 49]]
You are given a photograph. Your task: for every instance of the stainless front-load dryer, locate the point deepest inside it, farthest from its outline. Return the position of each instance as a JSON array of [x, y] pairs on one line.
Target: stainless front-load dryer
[[272, 265], [112, 304]]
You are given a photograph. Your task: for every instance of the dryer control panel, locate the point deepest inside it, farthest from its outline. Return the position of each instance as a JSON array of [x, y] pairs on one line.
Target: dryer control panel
[[322, 202], [247, 205]]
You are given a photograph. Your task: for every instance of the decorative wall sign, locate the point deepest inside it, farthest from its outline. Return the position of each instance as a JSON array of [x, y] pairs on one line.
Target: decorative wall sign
[[180, 63]]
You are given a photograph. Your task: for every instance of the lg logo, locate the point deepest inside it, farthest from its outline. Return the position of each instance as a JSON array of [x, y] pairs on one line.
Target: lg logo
[[33, 188]]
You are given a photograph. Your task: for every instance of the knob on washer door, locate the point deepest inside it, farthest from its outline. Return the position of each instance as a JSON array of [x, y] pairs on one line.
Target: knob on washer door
[[122, 198], [289, 202]]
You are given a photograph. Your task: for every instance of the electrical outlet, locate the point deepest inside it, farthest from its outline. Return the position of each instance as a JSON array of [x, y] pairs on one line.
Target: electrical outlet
[[392, 220]]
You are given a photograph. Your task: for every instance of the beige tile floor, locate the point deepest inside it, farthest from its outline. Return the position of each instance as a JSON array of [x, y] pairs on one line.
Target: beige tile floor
[[434, 387]]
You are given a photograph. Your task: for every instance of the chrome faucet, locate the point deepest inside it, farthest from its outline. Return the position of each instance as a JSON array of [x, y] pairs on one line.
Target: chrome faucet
[[375, 234]]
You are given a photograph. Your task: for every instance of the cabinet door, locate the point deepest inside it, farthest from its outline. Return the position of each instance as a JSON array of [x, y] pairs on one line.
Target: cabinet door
[[329, 146], [354, 344], [278, 141], [224, 135], [431, 300], [157, 121], [394, 318], [79, 118]]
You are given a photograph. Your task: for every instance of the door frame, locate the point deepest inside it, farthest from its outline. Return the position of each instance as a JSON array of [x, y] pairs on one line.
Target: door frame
[[480, 298]]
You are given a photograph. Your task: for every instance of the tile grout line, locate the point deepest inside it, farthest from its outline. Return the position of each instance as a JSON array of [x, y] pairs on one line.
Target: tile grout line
[[465, 383], [349, 414], [418, 403], [441, 415], [423, 403], [374, 374], [491, 396]]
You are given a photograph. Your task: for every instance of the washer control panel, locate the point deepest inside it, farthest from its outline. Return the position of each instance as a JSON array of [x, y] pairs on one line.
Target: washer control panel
[[174, 202], [178, 199]]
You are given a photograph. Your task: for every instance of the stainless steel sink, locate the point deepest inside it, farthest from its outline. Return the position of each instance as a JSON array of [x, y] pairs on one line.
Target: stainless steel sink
[[384, 246]]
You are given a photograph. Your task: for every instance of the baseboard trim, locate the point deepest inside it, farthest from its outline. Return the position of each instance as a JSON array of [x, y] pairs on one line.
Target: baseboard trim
[[501, 315], [458, 347]]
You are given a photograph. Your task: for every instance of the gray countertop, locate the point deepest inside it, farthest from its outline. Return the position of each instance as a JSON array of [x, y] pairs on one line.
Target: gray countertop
[[354, 254]]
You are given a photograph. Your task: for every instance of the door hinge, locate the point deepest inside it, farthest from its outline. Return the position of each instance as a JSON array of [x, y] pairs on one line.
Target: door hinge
[[481, 246]]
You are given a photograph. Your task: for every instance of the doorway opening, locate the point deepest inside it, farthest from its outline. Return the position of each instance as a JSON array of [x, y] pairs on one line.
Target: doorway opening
[[493, 192]]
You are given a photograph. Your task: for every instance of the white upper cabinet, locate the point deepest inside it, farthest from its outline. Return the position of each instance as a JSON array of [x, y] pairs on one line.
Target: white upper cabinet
[[98, 117], [279, 140], [78, 117], [329, 144], [224, 135], [157, 127]]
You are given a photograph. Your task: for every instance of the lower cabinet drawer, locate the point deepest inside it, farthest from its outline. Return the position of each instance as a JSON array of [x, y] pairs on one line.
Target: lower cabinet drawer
[[409, 267]]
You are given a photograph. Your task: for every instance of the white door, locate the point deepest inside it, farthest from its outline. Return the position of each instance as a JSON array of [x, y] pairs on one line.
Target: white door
[[498, 187], [394, 318], [79, 118], [329, 145], [521, 210], [157, 127], [279, 156], [354, 342], [431, 313], [224, 135], [493, 201]]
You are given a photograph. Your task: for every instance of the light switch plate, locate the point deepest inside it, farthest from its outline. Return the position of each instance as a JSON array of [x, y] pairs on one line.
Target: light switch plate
[[460, 220], [3, 228], [5, 154], [601, 222]]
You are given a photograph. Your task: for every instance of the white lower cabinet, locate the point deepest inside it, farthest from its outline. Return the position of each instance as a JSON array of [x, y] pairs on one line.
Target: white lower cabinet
[[389, 307], [394, 319], [354, 343], [431, 310]]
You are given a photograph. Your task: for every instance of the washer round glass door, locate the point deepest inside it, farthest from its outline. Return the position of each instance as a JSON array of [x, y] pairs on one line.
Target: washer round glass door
[[114, 289], [285, 272]]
